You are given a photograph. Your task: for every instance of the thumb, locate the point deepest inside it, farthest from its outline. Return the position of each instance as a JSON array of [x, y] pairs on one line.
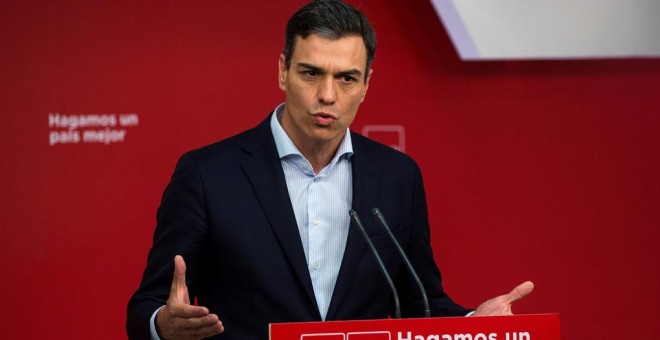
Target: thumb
[[179, 290], [519, 292]]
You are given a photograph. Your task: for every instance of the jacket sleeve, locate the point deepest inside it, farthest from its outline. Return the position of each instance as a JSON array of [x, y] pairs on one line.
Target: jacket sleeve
[[180, 229]]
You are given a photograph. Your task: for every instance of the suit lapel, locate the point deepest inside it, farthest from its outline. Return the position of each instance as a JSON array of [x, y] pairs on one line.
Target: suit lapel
[[266, 176], [365, 193]]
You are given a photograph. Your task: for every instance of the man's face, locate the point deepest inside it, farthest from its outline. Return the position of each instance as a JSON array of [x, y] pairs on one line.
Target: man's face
[[324, 87]]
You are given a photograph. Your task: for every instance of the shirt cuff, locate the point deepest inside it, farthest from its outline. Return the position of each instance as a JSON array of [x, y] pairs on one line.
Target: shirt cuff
[[468, 314], [152, 324]]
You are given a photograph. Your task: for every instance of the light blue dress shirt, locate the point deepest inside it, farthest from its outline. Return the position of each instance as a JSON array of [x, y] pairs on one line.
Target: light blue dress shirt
[[321, 202]]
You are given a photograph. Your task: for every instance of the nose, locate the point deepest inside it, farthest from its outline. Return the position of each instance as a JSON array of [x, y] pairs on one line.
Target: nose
[[326, 91]]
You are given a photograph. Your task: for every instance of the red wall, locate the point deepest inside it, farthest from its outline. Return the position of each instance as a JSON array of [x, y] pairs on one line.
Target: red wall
[[541, 170]]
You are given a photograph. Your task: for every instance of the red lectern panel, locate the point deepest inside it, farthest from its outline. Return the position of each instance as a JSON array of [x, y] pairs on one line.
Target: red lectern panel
[[516, 327]]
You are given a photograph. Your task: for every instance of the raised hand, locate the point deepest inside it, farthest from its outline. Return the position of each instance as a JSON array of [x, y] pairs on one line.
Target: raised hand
[[501, 305], [181, 320]]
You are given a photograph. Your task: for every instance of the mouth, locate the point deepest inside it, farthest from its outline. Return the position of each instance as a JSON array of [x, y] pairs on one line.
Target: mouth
[[323, 118]]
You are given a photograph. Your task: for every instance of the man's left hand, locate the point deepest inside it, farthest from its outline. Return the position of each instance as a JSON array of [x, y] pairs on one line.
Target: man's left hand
[[501, 305]]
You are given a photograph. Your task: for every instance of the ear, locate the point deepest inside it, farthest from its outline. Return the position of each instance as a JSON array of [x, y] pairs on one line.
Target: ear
[[366, 85], [282, 73]]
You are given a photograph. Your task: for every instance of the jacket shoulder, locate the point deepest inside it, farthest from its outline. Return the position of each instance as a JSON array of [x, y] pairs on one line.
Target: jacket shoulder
[[233, 149], [381, 154]]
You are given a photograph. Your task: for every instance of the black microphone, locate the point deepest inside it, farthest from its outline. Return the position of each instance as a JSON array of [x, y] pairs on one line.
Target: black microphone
[[411, 269], [397, 305]]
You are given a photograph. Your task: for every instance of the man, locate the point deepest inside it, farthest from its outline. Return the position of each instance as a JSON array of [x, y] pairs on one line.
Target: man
[[262, 220]]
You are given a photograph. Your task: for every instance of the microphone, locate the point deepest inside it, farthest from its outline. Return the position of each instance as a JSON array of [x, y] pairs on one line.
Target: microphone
[[411, 269], [397, 305]]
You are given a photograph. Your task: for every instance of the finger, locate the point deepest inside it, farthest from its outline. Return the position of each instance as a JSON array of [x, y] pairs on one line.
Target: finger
[[204, 331], [179, 290], [196, 328], [519, 292], [188, 311], [200, 322], [210, 330]]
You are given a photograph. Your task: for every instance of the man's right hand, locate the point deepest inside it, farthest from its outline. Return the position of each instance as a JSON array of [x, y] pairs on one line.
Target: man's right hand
[[178, 319]]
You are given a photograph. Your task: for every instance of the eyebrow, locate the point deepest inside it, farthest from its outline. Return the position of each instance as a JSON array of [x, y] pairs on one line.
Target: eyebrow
[[352, 72]]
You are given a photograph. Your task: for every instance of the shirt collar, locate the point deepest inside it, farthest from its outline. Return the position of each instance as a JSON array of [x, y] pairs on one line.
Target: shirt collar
[[285, 146]]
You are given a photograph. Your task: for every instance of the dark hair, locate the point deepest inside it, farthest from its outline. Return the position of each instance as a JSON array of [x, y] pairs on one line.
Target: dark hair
[[331, 19]]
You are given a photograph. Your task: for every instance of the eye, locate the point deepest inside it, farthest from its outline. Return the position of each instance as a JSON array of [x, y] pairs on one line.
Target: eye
[[310, 73], [347, 79]]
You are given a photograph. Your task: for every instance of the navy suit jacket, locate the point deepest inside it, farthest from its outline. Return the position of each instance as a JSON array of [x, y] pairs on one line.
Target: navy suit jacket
[[227, 211]]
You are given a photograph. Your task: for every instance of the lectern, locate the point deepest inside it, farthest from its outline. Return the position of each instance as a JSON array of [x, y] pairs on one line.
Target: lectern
[[515, 327]]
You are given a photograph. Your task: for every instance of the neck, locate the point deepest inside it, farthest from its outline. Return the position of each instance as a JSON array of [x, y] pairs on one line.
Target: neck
[[319, 152], [319, 155]]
